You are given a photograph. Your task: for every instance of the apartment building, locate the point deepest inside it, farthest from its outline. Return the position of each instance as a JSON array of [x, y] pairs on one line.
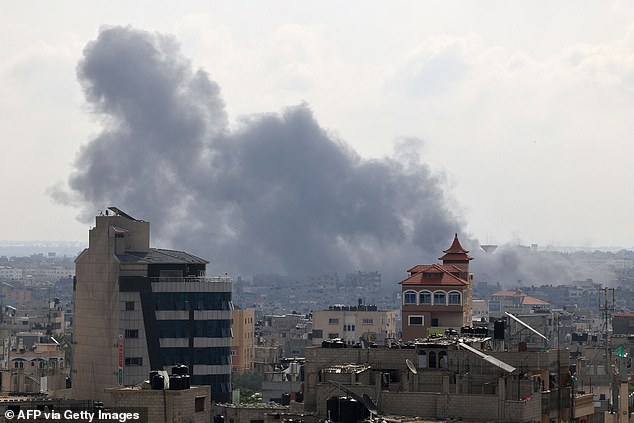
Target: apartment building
[[351, 323]]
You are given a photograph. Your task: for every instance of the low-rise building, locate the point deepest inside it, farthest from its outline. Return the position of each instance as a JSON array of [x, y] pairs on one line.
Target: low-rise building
[[351, 323], [444, 378]]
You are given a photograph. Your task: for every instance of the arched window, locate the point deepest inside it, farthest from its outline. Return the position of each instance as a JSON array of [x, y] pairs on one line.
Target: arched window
[[455, 298], [424, 297], [409, 297], [442, 359], [432, 360], [422, 360], [440, 298]]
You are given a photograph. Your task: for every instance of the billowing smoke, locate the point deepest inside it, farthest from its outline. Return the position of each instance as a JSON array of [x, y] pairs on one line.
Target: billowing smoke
[[277, 194]]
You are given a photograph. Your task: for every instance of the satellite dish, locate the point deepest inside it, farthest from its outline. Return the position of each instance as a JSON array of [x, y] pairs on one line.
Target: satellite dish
[[411, 366], [369, 404]]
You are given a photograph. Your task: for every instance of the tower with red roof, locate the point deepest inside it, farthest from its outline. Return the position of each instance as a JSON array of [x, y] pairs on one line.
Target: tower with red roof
[[437, 297]]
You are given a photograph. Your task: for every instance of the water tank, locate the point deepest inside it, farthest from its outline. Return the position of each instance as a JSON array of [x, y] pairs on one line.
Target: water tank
[[332, 408], [498, 329], [186, 381], [180, 370], [156, 380], [176, 383], [286, 399], [351, 410]]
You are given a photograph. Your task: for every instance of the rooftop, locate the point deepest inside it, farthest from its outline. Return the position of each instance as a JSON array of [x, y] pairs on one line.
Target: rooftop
[[158, 256]]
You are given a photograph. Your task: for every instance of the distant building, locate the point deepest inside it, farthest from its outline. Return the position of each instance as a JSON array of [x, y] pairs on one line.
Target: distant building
[[515, 302], [288, 333], [437, 297], [10, 273], [35, 368], [350, 323], [243, 344], [480, 313], [139, 309], [623, 323]]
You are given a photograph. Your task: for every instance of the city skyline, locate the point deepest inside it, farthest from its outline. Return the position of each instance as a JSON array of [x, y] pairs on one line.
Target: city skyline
[[520, 114]]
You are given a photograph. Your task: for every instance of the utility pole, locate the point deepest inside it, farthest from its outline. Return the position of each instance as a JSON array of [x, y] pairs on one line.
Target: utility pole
[[606, 307]]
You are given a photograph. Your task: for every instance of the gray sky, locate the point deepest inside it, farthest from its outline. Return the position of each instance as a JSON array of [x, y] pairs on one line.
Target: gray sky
[[524, 110]]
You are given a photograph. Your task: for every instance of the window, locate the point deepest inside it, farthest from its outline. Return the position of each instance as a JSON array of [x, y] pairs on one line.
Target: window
[[442, 359], [422, 360], [367, 322], [455, 298], [333, 321], [318, 333], [409, 297], [432, 360], [131, 333], [440, 298], [129, 306], [434, 323], [199, 404], [416, 320], [425, 297], [133, 361]]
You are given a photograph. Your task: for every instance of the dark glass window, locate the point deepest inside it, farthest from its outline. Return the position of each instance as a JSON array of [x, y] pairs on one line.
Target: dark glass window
[[193, 300], [131, 333], [200, 328], [209, 356], [133, 361], [199, 404]]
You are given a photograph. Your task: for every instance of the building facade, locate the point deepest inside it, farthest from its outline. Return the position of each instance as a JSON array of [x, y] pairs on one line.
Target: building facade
[[437, 297], [243, 347], [139, 309], [350, 323]]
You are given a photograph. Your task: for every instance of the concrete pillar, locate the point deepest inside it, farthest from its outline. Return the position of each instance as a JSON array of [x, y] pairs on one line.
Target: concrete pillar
[[501, 389], [445, 384]]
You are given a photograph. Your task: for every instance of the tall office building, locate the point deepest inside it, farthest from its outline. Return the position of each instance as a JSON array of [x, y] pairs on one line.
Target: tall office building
[[139, 309]]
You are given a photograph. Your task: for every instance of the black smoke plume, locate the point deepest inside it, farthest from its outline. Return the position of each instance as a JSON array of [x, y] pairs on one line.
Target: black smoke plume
[[277, 194]]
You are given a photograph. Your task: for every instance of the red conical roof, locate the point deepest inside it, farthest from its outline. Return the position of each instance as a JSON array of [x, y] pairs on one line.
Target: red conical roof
[[455, 252]]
